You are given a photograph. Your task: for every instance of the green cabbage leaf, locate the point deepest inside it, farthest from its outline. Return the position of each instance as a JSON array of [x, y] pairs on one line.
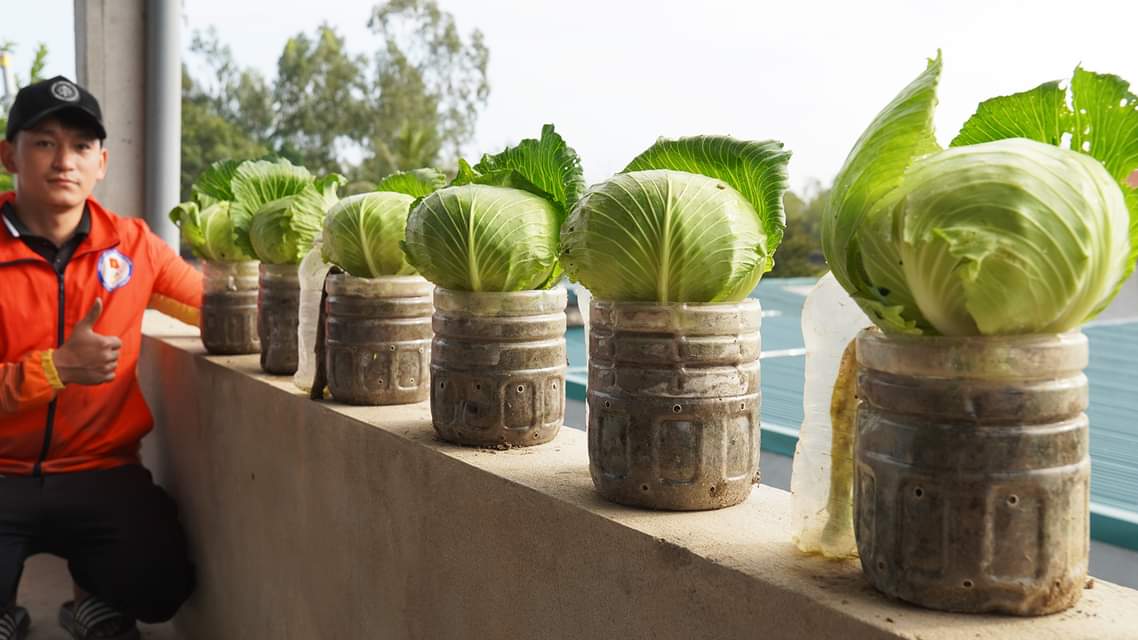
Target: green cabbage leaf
[[496, 227], [1025, 224], [690, 220], [205, 220], [279, 209], [362, 234]]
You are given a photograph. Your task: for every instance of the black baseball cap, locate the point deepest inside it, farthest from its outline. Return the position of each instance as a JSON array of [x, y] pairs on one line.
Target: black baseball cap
[[41, 99]]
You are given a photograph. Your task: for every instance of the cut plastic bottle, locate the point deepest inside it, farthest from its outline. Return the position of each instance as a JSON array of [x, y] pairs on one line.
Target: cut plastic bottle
[[312, 271], [821, 480]]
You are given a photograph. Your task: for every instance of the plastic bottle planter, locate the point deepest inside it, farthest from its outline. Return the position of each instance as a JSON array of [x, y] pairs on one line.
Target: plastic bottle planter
[[229, 308], [673, 402], [278, 302], [377, 339], [972, 480], [498, 367]]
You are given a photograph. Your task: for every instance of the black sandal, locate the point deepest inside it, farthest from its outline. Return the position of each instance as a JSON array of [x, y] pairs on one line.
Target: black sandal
[[93, 619], [14, 623]]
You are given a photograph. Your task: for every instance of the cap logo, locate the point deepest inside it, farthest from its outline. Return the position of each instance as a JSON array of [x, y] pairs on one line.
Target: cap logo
[[65, 91]]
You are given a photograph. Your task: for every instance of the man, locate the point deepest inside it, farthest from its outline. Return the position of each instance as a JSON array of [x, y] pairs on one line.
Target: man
[[74, 282]]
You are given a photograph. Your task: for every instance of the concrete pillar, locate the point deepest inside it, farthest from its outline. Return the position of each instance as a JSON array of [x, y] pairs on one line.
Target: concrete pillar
[[127, 53], [163, 115], [110, 61]]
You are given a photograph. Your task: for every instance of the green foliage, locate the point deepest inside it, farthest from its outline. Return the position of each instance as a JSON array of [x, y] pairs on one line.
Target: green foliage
[[689, 220], [210, 133], [477, 237], [410, 103], [362, 234], [800, 254], [35, 74], [279, 208], [429, 83], [1007, 231], [496, 228], [417, 183]]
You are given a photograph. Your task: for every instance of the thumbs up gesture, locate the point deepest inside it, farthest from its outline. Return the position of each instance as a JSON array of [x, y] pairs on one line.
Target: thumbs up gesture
[[87, 357]]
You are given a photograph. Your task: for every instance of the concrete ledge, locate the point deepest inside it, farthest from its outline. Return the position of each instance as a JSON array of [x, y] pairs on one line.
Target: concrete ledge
[[316, 520]]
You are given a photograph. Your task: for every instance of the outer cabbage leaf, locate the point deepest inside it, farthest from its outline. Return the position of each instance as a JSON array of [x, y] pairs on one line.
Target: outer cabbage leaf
[[291, 202], [187, 217], [282, 231], [1008, 237], [257, 183], [858, 224], [362, 234], [757, 170], [417, 183], [208, 231], [548, 163], [479, 237], [664, 236], [216, 181], [1101, 122]]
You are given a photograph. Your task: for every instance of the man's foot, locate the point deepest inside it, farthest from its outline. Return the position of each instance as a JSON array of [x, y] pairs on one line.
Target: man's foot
[[93, 619], [14, 623]]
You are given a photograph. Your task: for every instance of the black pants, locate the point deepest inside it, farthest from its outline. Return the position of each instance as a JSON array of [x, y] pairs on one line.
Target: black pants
[[118, 531]]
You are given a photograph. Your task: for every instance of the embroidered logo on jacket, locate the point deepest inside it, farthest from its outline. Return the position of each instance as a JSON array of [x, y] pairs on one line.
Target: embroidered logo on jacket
[[115, 269]]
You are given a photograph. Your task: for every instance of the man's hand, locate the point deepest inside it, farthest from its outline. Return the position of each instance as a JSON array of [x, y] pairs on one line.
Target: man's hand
[[87, 357]]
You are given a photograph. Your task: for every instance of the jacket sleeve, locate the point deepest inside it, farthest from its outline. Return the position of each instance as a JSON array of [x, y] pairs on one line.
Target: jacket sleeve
[[177, 288], [29, 383]]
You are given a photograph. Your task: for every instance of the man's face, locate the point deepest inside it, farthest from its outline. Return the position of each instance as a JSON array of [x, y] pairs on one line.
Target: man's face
[[56, 166]]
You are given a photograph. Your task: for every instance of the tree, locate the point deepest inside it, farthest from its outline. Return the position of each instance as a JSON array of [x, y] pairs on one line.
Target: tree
[[800, 253], [430, 84], [412, 103], [320, 97], [35, 74], [208, 136]]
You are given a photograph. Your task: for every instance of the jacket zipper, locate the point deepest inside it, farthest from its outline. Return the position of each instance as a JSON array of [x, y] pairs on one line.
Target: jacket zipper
[[59, 338]]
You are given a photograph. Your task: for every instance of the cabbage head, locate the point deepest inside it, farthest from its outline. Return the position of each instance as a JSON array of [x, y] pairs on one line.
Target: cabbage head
[[689, 220], [496, 227], [279, 209], [362, 234], [204, 220], [1026, 224]]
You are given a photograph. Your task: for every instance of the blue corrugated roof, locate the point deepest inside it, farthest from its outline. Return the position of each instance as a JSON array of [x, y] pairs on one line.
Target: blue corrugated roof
[[1113, 412]]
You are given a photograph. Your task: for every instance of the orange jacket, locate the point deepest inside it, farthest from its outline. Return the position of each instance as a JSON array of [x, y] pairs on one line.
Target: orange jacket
[[46, 427]]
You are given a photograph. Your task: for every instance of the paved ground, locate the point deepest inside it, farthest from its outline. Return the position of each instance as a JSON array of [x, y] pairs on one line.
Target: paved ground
[[45, 585]]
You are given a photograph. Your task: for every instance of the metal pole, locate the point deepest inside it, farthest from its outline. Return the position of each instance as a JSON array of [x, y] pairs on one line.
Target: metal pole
[[163, 115]]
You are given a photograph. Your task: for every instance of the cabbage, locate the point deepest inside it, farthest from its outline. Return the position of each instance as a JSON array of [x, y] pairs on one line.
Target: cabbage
[[497, 226], [417, 183], [1006, 232], [691, 220], [279, 209], [205, 221], [362, 234]]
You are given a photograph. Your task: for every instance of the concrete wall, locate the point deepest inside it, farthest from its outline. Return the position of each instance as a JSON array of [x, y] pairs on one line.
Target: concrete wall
[[110, 61], [315, 520]]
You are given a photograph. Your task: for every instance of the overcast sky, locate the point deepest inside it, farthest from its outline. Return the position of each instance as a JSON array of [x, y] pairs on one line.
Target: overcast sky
[[613, 75]]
